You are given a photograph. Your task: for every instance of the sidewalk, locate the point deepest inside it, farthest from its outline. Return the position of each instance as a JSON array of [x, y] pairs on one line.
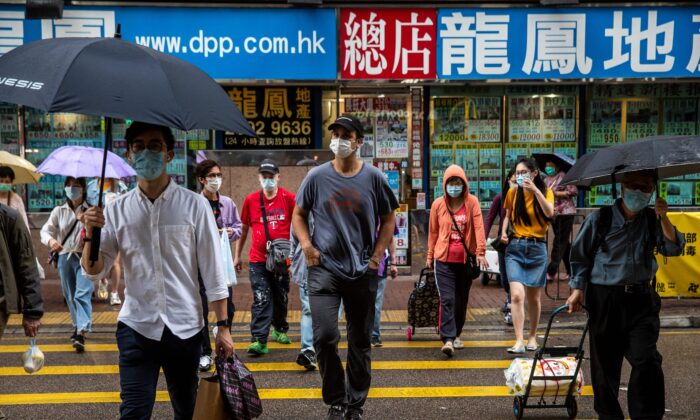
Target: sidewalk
[[484, 305]]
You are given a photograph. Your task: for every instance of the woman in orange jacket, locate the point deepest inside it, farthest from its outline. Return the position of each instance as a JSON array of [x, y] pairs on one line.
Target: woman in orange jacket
[[457, 209]]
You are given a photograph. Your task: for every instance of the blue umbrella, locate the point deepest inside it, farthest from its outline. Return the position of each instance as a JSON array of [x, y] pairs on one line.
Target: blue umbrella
[[116, 79]]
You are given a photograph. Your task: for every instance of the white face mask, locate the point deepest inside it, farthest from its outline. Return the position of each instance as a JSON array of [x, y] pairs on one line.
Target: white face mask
[[268, 184], [213, 184], [342, 148]]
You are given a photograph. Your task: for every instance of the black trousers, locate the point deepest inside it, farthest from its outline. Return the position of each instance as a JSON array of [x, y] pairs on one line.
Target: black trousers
[[562, 226], [453, 285], [140, 360], [270, 293], [625, 325], [326, 291], [230, 309]]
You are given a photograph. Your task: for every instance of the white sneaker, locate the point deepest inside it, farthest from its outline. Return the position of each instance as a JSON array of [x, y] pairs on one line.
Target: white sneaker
[[204, 363], [215, 330], [449, 349], [114, 299], [458, 344]]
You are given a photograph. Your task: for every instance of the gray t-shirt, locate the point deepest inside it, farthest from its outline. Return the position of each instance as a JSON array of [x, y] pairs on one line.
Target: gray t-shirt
[[346, 214]]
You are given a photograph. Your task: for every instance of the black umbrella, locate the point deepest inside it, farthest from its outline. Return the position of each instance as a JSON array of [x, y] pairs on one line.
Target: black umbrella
[[116, 79], [668, 156], [563, 161]]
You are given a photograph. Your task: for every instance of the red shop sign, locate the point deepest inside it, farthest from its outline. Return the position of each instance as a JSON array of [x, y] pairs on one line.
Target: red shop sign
[[388, 44]]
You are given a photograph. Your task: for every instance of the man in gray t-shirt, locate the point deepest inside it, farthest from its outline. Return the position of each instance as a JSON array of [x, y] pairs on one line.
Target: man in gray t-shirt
[[348, 200]]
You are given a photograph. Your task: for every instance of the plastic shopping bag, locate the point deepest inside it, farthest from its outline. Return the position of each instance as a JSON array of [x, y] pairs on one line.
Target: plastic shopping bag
[[239, 389], [229, 269], [33, 358], [518, 374]]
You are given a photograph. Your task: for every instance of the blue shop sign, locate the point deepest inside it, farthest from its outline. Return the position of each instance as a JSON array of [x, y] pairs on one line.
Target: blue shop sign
[[600, 43], [227, 43]]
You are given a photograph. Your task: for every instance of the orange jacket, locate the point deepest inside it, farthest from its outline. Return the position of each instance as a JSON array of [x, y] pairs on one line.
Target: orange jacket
[[441, 222]]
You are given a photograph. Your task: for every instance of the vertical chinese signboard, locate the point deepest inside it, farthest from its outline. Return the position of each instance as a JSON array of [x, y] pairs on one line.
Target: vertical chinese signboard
[[417, 138], [388, 43], [281, 117], [680, 276]]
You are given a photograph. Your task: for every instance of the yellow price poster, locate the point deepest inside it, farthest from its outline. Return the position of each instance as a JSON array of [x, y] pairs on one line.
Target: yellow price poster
[[680, 276]]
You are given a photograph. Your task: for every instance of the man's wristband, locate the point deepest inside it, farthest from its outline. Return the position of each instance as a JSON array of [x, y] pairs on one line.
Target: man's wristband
[[223, 323]]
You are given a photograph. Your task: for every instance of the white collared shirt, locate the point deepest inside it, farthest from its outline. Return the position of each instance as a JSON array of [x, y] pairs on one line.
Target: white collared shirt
[[163, 247]]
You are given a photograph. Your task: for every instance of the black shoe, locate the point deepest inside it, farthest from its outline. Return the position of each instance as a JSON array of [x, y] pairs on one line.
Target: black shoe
[[353, 414], [307, 359], [74, 336], [336, 412], [376, 342], [79, 343]]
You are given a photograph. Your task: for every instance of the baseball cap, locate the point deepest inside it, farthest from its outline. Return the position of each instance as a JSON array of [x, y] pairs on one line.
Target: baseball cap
[[350, 123], [269, 166]]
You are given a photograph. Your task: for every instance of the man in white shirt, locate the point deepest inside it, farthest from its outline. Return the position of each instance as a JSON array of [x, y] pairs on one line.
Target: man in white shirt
[[168, 239]]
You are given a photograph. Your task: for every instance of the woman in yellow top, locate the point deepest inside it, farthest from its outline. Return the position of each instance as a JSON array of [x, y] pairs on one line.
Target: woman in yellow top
[[528, 210]]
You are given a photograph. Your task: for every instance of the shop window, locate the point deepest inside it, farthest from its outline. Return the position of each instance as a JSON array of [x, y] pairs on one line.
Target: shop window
[[9, 129]]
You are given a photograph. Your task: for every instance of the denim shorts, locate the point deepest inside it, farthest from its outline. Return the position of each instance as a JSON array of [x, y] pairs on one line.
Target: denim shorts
[[526, 262]]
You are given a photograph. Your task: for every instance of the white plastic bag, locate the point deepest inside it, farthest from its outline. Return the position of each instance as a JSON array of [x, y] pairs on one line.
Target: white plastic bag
[[229, 269], [518, 374], [33, 358]]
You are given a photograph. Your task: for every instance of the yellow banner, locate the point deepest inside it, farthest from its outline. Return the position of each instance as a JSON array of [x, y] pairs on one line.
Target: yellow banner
[[681, 275]]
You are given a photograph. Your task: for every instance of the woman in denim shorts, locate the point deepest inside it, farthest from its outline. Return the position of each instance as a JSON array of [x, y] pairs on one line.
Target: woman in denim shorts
[[528, 210]]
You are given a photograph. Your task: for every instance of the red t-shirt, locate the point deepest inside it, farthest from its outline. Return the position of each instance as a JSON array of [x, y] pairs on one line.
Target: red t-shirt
[[455, 252], [279, 220]]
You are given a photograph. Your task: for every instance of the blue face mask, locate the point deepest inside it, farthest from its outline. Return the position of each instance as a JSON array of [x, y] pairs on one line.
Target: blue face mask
[[521, 178], [73, 193], [454, 191], [635, 200], [268, 184], [148, 165]]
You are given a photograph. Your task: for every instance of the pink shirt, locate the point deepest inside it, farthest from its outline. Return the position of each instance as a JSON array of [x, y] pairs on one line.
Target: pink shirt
[[562, 206]]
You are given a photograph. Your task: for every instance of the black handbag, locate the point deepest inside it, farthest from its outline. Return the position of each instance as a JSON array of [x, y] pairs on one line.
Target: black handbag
[[278, 251], [473, 269]]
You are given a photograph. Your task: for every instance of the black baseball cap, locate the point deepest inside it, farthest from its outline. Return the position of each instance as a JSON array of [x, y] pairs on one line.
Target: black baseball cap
[[350, 123], [268, 166]]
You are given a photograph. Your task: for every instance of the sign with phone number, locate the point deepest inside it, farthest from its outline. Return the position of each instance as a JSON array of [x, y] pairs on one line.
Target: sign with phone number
[[281, 117]]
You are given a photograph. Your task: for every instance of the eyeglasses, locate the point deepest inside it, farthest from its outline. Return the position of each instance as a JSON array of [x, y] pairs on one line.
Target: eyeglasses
[[138, 146], [212, 176], [645, 188], [522, 173]]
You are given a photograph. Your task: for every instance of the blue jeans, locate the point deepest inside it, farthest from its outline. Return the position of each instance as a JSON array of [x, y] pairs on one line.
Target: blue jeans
[[378, 302], [306, 327], [77, 290], [140, 360]]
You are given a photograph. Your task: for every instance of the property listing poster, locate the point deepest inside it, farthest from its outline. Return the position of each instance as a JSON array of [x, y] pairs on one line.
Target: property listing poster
[[515, 152], [467, 156], [606, 123], [540, 148], [484, 119], [9, 129], [391, 128], [489, 187], [440, 158], [402, 226], [524, 123], [448, 120], [559, 123], [642, 119], [566, 148], [680, 117], [677, 193], [489, 160]]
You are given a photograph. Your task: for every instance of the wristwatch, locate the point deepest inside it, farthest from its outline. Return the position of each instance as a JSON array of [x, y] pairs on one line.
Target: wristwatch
[[223, 323]]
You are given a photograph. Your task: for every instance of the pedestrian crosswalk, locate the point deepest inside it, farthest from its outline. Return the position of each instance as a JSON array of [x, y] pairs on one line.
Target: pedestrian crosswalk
[[407, 374]]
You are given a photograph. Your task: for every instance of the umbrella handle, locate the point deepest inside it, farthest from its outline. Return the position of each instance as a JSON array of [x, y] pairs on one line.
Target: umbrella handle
[[95, 245]]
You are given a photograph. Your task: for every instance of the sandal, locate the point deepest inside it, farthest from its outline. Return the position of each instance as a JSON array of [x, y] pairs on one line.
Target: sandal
[[516, 350], [531, 348]]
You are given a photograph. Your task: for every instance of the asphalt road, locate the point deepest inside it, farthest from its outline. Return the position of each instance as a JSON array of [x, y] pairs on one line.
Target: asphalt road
[[407, 390]]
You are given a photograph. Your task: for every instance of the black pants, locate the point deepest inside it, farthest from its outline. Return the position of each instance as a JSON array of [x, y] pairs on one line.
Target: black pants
[[140, 360], [625, 325], [269, 302], [562, 226], [230, 309], [453, 285], [326, 291]]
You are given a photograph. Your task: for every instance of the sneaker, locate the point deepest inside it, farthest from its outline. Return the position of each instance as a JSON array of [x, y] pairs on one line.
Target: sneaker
[[114, 299], [281, 337], [204, 363], [258, 348], [307, 359], [336, 412], [215, 330], [376, 342], [74, 336], [508, 318], [102, 292], [458, 344], [353, 414], [449, 349], [79, 343]]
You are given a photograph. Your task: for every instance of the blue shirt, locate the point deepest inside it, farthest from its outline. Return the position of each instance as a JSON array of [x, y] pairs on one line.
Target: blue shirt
[[625, 261]]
